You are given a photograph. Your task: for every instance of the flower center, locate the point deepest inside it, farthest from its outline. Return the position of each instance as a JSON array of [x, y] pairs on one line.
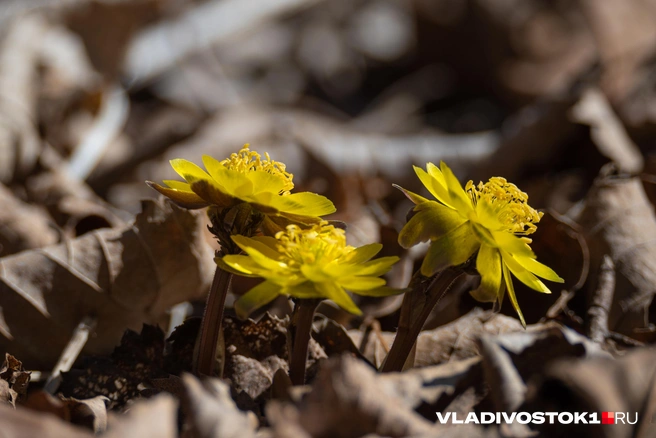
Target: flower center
[[318, 245], [246, 161], [510, 204]]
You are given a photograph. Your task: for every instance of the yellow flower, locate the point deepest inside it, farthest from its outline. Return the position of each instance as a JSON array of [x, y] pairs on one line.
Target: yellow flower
[[492, 218], [308, 263], [245, 178]]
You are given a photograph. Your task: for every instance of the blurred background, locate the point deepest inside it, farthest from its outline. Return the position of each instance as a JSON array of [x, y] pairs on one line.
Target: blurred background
[[97, 96]]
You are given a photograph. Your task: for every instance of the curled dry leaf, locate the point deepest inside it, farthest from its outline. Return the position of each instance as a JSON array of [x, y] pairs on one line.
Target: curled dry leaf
[[123, 277], [451, 342], [600, 385], [346, 400], [431, 389], [156, 417], [511, 359], [13, 380], [90, 413], [211, 412], [256, 350], [619, 221]]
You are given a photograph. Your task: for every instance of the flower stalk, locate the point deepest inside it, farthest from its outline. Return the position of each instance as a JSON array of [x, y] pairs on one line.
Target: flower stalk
[[225, 222], [417, 305], [300, 330]]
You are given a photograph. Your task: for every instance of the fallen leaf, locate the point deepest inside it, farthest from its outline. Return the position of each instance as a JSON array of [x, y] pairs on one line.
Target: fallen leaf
[[210, 412], [124, 277]]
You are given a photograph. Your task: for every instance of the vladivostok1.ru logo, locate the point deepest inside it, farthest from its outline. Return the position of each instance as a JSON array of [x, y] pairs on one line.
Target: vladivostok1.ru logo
[[539, 418]]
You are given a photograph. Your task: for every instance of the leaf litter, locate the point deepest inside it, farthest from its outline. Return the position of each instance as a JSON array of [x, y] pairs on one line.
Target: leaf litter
[[556, 97]]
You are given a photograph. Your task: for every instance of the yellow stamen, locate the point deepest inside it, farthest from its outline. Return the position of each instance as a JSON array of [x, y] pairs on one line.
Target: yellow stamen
[[249, 161], [320, 244], [510, 203]]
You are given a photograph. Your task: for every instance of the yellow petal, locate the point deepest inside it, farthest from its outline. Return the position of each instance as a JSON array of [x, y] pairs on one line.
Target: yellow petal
[[362, 254], [415, 198], [430, 221], [249, 247], [377, 267], [211, 192], [335, 293], [315, 273], [304, 203], [457, 196], [361, 283], [233, 182], [454, 248], [265, 182], [236, 261], [241, 265], [188, 170], [255, 298], [539, 269], [265, 245], [523, 274], [511, 294], [488, 264], [178, 185], [303, 290], [182, 198], [437, 187], [512, 244]]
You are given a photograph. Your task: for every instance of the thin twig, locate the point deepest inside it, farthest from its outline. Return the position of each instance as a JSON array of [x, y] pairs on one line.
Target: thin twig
[[211, 324], [300, 330], [602, 301], [417, 305], [70, 353]]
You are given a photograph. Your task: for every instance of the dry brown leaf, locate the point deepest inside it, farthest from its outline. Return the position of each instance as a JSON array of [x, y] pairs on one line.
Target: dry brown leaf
[[156, 417], [13, 380], [346, 400], [124, 277], [432, 389], [256, 350], [211, 412], [22, 226], [607, 131], [458, 340], [600, 385], [89, 413], [20, 423], [19, 55], [619, 220], [511, 359]]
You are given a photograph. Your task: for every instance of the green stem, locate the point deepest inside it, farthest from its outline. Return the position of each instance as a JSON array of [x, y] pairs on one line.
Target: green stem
[[210, 328], [300, 330], [415, 309]]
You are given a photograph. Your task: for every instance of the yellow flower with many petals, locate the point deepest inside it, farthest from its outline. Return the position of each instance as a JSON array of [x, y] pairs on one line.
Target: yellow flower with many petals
[[492, 218], [308, 263], [245, 177]]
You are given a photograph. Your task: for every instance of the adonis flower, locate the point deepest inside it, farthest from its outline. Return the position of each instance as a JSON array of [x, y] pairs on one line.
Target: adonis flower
[[308, 263], [492, 218], [245, 178]]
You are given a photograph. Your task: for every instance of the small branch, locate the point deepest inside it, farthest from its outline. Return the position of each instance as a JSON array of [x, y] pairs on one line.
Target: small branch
[[70, 353], [602, 301], [210, 327], [300, 330], [417, 306]]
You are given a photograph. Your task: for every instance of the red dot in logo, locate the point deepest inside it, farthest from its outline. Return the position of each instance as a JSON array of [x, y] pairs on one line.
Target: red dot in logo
[[608, 418]]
